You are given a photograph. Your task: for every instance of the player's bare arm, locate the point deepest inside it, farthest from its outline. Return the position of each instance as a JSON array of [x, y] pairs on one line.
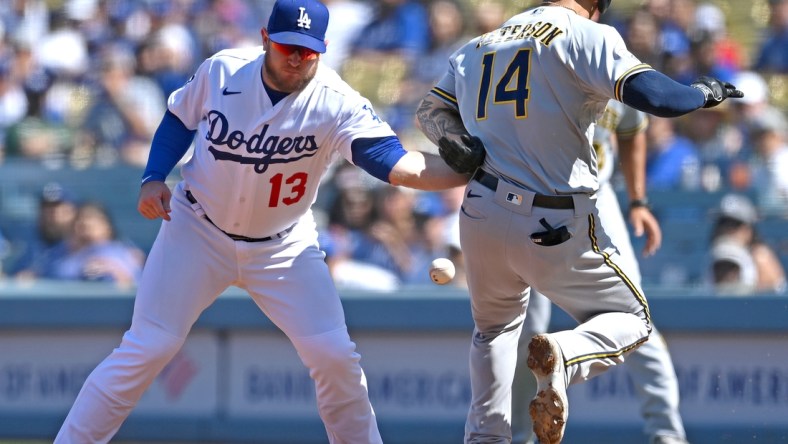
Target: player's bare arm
[[425, 171], [154, 200], [633, 165]]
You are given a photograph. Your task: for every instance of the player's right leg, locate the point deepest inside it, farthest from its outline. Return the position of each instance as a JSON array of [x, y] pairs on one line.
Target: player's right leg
[[537, 319], [184, 273], [307, 308], [497, 306]]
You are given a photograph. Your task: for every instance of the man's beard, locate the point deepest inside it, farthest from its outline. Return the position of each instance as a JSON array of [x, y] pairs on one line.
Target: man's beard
[[287, 85]]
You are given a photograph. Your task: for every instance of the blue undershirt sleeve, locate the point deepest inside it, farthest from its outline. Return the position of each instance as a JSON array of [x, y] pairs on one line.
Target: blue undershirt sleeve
[[170, 142], [655, 93], [377, 156]]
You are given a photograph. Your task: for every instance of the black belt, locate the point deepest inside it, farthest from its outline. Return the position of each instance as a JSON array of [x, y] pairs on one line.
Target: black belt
[[238, 237], [540, 200]]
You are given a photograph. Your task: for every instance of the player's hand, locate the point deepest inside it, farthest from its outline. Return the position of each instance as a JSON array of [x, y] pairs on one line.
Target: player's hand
[[644, 222], [154, 201], [463, 157], [715, 90]]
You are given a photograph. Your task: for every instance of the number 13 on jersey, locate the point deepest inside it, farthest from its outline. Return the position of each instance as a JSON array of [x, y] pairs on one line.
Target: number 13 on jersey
[[511, 87]]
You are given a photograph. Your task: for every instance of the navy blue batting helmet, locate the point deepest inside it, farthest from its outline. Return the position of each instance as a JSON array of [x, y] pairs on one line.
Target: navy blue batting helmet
[[603, 5]]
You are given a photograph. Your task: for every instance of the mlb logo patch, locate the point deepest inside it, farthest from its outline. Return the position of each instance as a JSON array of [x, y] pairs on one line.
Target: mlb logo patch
[[514, 198]]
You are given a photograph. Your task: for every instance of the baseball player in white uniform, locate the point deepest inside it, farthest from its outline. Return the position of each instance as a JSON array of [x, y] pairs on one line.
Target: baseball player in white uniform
[[621, 129], [529, 93], [268, 122]]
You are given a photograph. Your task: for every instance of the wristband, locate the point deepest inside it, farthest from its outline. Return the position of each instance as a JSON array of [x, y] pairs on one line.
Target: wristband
[[638, 203]]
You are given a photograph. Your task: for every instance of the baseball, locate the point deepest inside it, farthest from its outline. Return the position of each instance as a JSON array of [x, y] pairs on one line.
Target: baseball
[[442, 271]]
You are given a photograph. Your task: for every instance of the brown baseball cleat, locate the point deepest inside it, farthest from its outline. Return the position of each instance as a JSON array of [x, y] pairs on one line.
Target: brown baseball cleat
[[550, 408]]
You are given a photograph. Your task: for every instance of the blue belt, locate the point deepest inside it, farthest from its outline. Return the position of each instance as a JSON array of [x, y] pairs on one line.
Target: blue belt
[[238, 237]]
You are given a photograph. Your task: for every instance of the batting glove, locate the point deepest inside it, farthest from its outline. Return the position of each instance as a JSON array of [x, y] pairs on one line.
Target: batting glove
[[715, 90], [463, 157]]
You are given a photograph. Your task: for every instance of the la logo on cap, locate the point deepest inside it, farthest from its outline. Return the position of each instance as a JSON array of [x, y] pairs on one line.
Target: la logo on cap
[[300, 23], [303, 20]]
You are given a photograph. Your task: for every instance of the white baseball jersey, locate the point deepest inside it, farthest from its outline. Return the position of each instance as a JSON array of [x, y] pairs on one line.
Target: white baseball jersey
[[548, 150], [254, 172], [256, 167], [619, 119]]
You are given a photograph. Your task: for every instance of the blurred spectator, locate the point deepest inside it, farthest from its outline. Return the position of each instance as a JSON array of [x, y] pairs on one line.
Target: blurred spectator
[[671, 42], [350, 214], [352, 274], [34, 79], [675, 28], [773, 51], [384, 52], [488, 15], [123, 116], [641, 34], [672, 162], [25, 20], [398, 241], [447, 33], [352, 17], [63, 50], [745, 112], [718, 142], [733, 271], [57, 211], [398, 27], [701, 60], [735, 226], [755, 102], [5, 251], [222, 24], [13, 101], [159, 62], [769, 136], [710, 21], [93, 252]]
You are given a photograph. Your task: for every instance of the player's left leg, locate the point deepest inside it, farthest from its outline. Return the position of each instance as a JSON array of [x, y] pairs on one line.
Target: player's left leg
[[650, 366], [190, 264], [657, 389], [306, 307]]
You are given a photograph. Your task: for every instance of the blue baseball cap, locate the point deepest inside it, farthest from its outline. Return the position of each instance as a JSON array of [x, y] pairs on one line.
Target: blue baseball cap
[[299, 22]]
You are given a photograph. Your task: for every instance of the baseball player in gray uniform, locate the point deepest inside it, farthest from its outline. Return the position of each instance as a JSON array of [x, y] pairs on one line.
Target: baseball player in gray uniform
[[529, 93], [268, 122], [620, 130]]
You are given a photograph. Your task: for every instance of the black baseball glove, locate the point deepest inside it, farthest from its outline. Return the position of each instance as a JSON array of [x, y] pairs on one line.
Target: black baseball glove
[[463, 158], [715, 90]]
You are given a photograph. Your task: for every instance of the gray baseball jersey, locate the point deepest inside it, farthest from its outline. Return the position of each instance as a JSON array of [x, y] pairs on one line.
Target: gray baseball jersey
[[532, 92], [491, 82]]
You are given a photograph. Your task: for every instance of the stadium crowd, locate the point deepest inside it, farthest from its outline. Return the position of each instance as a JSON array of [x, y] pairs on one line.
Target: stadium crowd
[[83, 84]]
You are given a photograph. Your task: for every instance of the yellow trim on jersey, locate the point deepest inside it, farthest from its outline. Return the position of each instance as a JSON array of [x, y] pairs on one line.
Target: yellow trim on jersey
[[619, 271], [632, 287], [614, 354], [629, 132], [619, 88], [445, 96]]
